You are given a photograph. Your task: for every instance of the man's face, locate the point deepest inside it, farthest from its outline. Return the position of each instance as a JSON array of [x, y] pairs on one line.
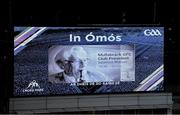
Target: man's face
[[79, 64], [76, 62], [73, 66]]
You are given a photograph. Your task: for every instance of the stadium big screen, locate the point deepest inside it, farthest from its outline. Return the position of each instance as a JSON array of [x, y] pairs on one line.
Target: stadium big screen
[[87, 60]]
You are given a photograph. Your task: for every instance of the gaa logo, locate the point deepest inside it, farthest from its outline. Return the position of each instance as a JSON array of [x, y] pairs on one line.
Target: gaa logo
[[152, 32]]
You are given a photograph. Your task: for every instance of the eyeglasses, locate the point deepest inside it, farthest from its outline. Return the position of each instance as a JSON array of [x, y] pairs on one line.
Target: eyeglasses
[[76, 61]]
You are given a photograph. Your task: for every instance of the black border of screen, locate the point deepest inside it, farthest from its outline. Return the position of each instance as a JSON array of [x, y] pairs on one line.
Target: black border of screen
[[165, 84]]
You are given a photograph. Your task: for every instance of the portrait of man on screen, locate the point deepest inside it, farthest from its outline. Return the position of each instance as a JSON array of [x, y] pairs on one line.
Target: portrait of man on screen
[[73, 61]]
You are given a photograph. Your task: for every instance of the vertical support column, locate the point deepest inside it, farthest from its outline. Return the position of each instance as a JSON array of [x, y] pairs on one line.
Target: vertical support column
[[169, 111]]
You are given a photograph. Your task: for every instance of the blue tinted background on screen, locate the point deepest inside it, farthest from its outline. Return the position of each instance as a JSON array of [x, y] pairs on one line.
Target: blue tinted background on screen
[[31, 74]]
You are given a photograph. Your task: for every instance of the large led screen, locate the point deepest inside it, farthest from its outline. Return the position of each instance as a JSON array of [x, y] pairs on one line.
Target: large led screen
[[87, 60]]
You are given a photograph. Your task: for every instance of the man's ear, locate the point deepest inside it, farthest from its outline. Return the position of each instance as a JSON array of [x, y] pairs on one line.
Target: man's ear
[[60, 64]]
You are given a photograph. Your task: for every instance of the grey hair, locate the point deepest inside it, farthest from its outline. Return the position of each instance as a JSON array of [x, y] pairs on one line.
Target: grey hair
[[69, 53]]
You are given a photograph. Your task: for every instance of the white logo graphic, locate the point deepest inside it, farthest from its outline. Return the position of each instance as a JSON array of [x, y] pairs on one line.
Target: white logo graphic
[[152, 32], [33, 86]]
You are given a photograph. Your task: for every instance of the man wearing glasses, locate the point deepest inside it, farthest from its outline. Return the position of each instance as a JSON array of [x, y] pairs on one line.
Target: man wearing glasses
[[73, 60]]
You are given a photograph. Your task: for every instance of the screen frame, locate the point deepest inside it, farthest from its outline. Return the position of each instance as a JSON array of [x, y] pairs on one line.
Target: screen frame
[[97, 25]]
